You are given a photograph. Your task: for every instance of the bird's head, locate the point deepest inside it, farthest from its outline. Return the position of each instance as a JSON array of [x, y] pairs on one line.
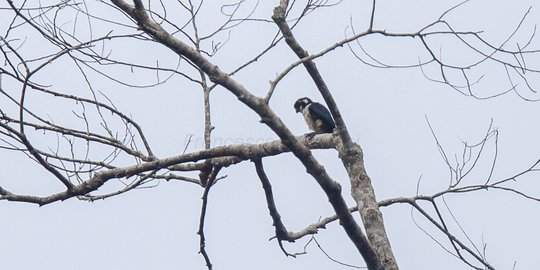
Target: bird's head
[[301, 103]]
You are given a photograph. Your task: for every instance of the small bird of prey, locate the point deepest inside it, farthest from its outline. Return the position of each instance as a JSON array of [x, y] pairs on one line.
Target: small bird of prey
[[317, 116]]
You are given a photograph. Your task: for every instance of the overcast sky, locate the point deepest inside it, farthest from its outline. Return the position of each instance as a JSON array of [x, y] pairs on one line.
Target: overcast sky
[[385, 110]]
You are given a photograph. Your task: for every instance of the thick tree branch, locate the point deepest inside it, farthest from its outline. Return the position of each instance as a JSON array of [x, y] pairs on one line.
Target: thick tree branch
[[83, 172], [220, 156], [349, 152], [258, 105]]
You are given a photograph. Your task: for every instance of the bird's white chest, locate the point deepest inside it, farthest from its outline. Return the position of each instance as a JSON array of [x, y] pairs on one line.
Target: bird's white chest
[[308, 118]]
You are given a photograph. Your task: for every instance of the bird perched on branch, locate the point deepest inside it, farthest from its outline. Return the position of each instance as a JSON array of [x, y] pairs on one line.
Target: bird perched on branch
[[317, 116]]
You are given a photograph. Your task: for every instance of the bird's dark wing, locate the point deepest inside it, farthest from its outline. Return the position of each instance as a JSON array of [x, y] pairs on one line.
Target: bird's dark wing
[[318, 111]]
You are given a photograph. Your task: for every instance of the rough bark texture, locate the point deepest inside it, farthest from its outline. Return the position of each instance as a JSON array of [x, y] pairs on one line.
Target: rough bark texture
[[221, 156], [268, 117], [364, 195], [349, 152]]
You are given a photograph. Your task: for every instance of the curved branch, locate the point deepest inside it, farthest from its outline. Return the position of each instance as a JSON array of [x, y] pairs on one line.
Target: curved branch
[[217, 156], [313, 167], [349, 152]]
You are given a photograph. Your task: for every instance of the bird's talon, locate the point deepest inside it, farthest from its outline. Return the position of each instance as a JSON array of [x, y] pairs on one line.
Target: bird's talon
[[310, 135]]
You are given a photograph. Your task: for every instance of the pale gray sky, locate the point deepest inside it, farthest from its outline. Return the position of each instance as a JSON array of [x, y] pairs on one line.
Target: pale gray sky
[[385, 110]]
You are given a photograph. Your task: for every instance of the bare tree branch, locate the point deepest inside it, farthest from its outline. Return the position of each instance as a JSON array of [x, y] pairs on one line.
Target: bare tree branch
[[268, 117], [202, 242], [91, 142], [222, 155], [281, 232], [349, 152]]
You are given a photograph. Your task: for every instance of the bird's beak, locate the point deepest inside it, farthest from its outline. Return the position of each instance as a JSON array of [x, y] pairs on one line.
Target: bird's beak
[[297, 110]]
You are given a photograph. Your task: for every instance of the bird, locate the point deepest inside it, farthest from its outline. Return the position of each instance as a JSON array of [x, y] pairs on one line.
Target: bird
[[318, 118]]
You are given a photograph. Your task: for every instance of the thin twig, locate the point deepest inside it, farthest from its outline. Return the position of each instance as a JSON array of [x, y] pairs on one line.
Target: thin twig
[[200, 232], [281, 232]]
